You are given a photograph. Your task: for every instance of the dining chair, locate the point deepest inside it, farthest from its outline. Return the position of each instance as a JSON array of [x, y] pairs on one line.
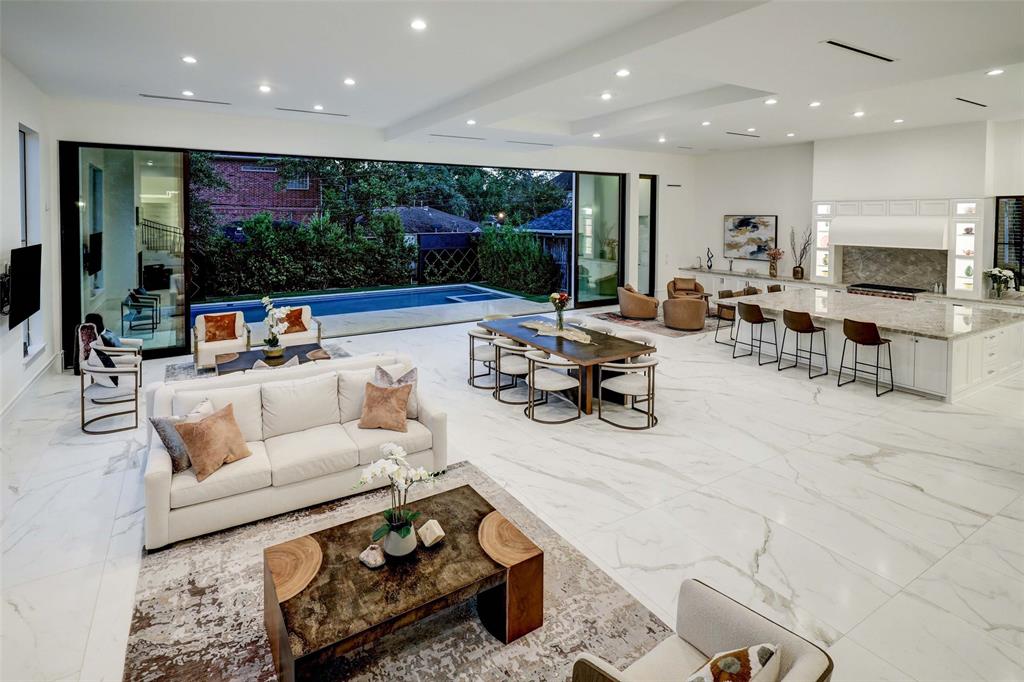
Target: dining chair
[[754, 317], [510, 360], [548, 374], [635, 381], [481, 350], [865, 334], [724, 311], [800, 323]]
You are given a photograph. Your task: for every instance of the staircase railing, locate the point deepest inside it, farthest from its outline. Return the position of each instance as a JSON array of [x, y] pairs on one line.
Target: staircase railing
[[160, 237]]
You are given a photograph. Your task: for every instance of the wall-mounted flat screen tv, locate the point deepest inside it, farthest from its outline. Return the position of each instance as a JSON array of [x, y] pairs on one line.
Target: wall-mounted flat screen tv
[[26, 279], [95, 261]]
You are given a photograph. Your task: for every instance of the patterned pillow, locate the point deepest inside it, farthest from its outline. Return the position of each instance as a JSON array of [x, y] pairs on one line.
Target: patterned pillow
[[164, 427], [294, 321], [220, 327], [98, 358], [384, 379], [759, 663]]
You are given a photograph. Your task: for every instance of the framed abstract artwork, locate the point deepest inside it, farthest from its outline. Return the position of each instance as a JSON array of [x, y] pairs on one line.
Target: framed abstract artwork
[[750, 237]]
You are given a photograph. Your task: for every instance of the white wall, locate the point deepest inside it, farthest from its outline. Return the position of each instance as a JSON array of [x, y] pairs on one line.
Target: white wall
[[22, 104], [1004, 174], [772, 181], [925, 163]]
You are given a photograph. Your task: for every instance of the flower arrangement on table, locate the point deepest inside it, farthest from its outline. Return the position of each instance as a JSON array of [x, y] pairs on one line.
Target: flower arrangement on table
[[276, 326], [397, 529], [1002, 280], [560, 300], [775, 254]]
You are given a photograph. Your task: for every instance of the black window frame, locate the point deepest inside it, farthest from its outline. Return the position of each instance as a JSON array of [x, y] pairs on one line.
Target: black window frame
[[1018, 267]]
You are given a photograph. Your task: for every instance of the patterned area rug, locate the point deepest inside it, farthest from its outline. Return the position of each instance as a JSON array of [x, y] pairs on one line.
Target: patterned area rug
[[181, 371], [655, 326], [199, 608]]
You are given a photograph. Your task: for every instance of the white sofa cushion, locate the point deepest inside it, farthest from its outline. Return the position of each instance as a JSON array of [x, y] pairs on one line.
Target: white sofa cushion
[[307, 454], [250, 473], [246, 399], [352, 388], [300, 404], [418, 437]]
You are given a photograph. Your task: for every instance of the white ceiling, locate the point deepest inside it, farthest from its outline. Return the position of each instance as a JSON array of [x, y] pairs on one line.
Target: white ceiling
[[534, 71]]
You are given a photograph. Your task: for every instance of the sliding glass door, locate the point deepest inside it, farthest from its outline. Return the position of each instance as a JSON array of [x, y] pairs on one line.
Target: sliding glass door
[[599, 237], [647, 239]]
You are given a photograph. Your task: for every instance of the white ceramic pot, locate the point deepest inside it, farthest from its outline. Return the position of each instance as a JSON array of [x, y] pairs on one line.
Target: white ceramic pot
[[396, 545]]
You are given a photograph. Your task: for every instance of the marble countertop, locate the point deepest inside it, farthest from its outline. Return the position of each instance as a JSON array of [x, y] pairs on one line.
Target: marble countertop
[[740, 273], [935, 319], [1010, 299]]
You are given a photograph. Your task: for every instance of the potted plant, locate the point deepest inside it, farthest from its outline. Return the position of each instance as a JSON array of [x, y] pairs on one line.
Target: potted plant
[[397, 529], [1002, 280], [560, 300], [275, 326], [800, 251], [774, 256]]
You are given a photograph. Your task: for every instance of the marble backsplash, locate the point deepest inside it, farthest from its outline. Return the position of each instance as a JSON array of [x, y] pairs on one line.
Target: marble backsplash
[[920, 268]]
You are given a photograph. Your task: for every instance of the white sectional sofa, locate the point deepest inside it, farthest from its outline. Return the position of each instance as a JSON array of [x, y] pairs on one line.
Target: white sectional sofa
[[301, 425]]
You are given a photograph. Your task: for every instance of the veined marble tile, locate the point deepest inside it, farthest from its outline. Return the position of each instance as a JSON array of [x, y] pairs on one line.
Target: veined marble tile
[[854, 663], [108, 634], [998, 545], [940, 645]]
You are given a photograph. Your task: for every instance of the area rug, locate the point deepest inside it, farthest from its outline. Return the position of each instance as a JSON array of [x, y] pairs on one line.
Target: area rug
[[182, 371], [199, 608], [655, 326]]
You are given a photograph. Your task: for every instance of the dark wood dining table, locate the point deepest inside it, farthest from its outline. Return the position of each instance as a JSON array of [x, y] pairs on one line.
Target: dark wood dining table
[[603, 348]]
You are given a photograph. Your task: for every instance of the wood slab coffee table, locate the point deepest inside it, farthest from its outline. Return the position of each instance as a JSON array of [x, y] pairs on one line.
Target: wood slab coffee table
[[320, 602]]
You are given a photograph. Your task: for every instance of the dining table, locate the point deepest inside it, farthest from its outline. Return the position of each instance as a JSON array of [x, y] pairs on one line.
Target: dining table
[[602, 348]]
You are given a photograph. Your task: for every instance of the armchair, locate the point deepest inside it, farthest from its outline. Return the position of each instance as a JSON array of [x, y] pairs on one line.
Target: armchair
[[686, 313], [88, 336], [102, 385], [709, 622], [140, 311], [635, 305], [685, 287], [206, 351], [312, 334]]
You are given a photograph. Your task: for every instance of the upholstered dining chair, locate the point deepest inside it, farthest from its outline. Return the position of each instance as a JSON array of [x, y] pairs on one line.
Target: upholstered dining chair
[[549, 374], [89, 335], [509, 360], [754, 317], [865, 334], [312, 331], [727, 312], [774, 288], [208, 341], [594, 326], [106, 379], [636, 383], [481, 351], [709, 622]]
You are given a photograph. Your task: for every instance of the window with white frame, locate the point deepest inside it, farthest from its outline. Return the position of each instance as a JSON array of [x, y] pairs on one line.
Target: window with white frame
[[822, 222]]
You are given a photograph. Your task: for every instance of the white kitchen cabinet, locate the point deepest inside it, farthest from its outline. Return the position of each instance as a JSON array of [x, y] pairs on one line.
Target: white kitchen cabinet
[[933, 207], [903, 349], [930, 365], [903, 207], [848, 208], [872, 208]]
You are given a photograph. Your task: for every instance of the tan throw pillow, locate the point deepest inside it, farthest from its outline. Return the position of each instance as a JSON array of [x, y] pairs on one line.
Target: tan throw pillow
[[384, 408], [220, 327], [213, 441], [686, 284], [629, 287], [294, 321], [759, 663]]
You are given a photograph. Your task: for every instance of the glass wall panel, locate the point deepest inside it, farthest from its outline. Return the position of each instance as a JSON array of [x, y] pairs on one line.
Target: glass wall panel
[[598, 237], [646, 240]]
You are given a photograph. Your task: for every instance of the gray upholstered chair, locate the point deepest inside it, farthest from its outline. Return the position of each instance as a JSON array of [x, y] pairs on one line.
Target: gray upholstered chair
[[708, 622]]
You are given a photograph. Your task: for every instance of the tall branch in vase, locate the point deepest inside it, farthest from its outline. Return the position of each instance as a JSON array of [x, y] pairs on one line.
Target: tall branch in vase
[[800, 250]]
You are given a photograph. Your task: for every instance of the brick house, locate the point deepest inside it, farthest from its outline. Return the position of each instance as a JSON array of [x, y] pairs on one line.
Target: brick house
[[251, 189]]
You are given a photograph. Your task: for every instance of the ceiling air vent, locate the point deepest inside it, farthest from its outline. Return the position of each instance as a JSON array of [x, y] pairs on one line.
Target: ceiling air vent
[[729, 132], [308, 111], [532, 144], [458, 137], [681, 147], [859, 50], [185, 99], [970, 101]]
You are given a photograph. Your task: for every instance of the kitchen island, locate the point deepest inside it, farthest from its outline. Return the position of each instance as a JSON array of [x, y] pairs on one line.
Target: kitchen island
[[941, 348]]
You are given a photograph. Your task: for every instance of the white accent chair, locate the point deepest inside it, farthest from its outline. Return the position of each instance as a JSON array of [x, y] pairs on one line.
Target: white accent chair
[[510, 360], [709, 622], [636, 383], [313, 333], [481, 350], [206, 351], [97, 382]]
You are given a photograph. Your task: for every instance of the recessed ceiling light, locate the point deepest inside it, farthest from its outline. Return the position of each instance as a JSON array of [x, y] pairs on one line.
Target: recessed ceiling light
[[418, 25], [471, 122], [790, 134], [994, 72], [771, 100], [596, 135], [897, 120], [264, 89], [349, 81], [705, 123], [189, 59], [187, 93], [606, 96], [318, 107], [858, 114], [662, 139], [750, 130], [814, 104], [622, 73]]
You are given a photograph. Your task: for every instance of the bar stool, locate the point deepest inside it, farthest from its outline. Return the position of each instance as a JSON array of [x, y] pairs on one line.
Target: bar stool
[[547, 379], [865, 334], [752, 315], [510, 360], [750, 291], [801, 324], [637, 381], [725, 312], [482, 353], [774, 289]]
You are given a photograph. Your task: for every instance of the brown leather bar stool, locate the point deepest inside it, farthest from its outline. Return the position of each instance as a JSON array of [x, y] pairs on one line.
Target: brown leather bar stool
[[750, 291], [865, 334], [801, 324], [725, 312], [774, 289], [752, 315]]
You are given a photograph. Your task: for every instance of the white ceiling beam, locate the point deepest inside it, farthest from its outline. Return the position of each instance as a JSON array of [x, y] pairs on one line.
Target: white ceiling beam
[[680, 19]]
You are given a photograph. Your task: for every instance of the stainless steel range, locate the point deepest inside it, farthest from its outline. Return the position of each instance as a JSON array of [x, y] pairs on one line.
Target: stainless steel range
[[885, 290]]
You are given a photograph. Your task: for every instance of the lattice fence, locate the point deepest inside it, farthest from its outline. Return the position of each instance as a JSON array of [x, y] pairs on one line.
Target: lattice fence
[[449, 265]]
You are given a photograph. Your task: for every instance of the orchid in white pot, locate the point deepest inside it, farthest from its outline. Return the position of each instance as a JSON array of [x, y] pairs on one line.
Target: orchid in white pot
[[397, 529], [276, 325]]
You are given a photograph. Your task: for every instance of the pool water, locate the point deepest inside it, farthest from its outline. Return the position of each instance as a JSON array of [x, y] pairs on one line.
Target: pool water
[[359, 302]]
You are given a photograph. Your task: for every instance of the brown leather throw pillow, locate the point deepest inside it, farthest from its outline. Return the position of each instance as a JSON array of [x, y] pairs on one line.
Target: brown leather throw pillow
[[213, 441], [385, 408], [629, 287], [220, 327], [686, 283], [294, 321]]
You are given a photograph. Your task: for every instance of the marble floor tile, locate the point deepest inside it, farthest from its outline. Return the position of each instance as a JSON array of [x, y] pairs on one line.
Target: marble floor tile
[[854, 663], [108, 632], [998, 545]]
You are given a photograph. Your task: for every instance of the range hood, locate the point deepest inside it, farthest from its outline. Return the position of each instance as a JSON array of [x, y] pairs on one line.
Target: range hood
[[899, 232]]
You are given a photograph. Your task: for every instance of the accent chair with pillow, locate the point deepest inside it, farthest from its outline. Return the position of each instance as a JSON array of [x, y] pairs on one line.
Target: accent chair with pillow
[[710, 626], [106, 378], [302, 327], [637, 306], [685, 287], [217, 333]]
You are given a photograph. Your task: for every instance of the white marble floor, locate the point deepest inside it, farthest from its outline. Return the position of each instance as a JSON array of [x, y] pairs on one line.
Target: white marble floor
[[890, 530]]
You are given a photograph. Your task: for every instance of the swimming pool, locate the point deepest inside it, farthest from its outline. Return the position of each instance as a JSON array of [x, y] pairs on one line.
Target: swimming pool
[[359, 301]]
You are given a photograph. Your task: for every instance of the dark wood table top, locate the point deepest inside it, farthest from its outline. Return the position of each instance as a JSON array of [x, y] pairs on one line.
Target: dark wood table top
[[605, 347], [346, 605], [239, 362]]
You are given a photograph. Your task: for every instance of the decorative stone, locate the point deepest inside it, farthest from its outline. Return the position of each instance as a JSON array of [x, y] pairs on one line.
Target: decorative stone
[[372, 556], [431, 533]]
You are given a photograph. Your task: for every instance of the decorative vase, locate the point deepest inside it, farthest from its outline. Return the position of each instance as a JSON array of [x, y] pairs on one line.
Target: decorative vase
[[773, 269], [395, 545], [273, 352], [798, 272], [560, 319]]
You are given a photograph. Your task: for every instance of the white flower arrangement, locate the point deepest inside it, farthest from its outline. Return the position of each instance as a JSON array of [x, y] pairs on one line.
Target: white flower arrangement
[[1002, 279], [274, 321], [403, 477]]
